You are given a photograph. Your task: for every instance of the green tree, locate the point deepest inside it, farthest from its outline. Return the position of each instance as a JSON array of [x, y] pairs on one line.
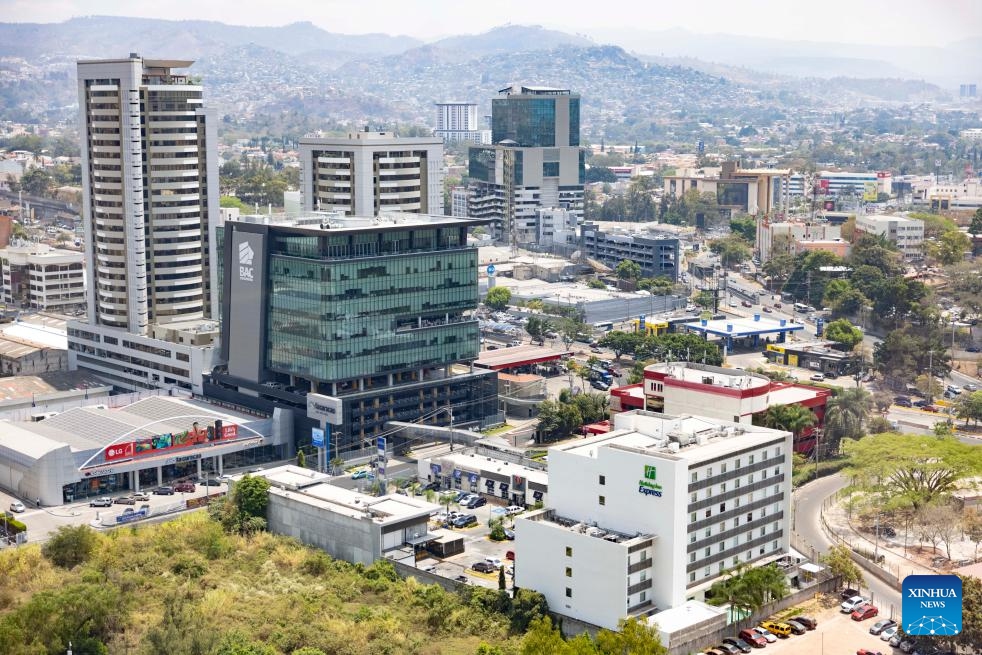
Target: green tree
[[745, 227], [596, 283], [628, 270], [36, 182], [845, 416], [182, 629], [732, 250], [923, 468], [537, 327], [842, 565], [233, 202], [634, 636], [747, 589], [557, 420], [779, 268], [237, 643], [793, 418], [705, 299], [975, 227], [620, 342], [542, 637], [842, 331], [968, 406], [950, 247], [498, 298], [502, 583], [70, 546], [570, 329], [301, 459]]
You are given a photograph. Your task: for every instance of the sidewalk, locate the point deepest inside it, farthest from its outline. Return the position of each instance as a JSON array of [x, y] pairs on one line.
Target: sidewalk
[[895, 564]]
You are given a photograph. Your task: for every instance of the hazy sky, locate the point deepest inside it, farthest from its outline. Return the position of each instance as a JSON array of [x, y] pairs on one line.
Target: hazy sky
[[915, 22]]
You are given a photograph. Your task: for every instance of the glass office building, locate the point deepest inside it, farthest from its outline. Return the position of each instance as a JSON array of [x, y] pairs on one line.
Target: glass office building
[[374, 312]]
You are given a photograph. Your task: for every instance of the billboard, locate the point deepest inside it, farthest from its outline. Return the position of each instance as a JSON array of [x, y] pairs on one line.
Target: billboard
[[197, 435], [245, 270], [869, 191], [324, 408]]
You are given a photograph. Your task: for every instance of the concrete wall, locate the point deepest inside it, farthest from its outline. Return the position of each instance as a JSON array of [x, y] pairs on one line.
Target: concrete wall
[[342, 537]]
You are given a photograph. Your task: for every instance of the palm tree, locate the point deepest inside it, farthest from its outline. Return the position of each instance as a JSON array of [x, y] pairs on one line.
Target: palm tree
[[845, 416], [793, 418]]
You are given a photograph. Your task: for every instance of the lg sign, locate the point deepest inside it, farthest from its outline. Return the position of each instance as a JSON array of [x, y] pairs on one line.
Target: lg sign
[[246, 254], [121, 450]]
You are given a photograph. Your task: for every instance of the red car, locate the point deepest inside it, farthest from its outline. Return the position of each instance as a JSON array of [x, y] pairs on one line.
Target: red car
[[864, 612], [866, 651], [751, 638]]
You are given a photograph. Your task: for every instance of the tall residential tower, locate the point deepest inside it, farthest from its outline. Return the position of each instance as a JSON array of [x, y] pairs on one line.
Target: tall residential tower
[[147, 209]]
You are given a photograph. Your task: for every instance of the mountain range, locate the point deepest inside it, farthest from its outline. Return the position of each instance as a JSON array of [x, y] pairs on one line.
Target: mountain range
[[304, 71]]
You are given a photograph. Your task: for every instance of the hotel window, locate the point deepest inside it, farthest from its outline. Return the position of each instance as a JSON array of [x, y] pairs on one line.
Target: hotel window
[[694, 497], [644, 596], [709, 472], [603, 479], [721, 566], [692, 577], [722, 468], [736, 483], [750, 517], [569, 592], [776, 490], [569, 572], [709, 513], [763, 455], [708, 532], [722, 545], [707, 552], [695, 476], [692, 537], [722, 488], [692, 557], [774, 545], [706, 572], [603, 500], [777, 451], [569, 551], [722, 507], [777, 470], [751, 459], [738, 462], [692, 517]]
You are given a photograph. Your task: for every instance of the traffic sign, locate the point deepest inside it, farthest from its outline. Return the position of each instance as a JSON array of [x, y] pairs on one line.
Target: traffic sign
[[491, 270]]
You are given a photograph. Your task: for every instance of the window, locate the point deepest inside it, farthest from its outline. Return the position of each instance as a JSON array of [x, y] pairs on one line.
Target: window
[[603, 500], [603, 479], [644, 596], [709, 472], [722, 507], [721, 566], [738, 462], [569, 592], [695, 476], [722, 545], [706, 572], [692, 557], [707, 552], [692, 537], [777, 470], [692, 577], [751, 459], [736, 502], [709, 513], [708, 532], [750, 517], [569, 551], [777, 451], [693, 497], [774, 545], [722, 468], [569, 571], [722, 488], [692, 517], [776, 490], [763, 455]]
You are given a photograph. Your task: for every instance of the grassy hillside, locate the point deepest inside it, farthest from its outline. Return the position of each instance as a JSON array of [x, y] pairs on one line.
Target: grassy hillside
[[186, 587]]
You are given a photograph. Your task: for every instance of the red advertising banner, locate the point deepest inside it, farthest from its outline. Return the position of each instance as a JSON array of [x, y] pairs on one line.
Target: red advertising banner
[[230, 431], [119, 451]]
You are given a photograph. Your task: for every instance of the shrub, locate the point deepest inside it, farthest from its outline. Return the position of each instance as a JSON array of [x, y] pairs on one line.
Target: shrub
[[71, 546]]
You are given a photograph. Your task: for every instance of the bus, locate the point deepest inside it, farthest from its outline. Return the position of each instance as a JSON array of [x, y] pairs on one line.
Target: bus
[[605, 326], [802, 308]]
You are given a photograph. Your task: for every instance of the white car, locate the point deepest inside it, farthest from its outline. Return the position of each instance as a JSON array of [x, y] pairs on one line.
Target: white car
[[848, 606], [766, 634], [17, 506], [514, 509], [888, 633], [817, 377], [494, 561]]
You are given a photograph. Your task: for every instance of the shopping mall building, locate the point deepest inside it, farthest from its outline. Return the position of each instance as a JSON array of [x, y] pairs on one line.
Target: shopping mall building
[[90, 451]]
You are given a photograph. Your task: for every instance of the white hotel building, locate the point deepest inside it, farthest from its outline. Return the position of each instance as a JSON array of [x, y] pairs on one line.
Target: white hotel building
[[650, 515]]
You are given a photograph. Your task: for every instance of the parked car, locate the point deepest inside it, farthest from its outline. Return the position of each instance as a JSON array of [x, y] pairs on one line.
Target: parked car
[[953, 389], [817, 377], [970, 387], [932, 408], [495, 562], [17, 507], [184, 487], [767, 310], [465, 521], [920, 402], [973, 349], [752, 638], [510, 555], [509, 534], [864, 612], [729, 649], [599, 385], [432, 486], [768, 636], [511, 510], [848, 606], [360, 474], [881, 625], [466, 499], [483, 567], [125, 500], [888, 634], [164, 491], [141, 495], [476, 502], [848, 593], [902, 401], [737, 643], [867, 651], [806, 621], [796, 627], [461, 495], [897, 638], [105, 501], [747, 303], [780, 629], [212, 482]]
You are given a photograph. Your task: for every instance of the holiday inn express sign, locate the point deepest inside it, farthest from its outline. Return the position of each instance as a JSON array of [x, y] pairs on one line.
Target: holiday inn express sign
[[647, 486]]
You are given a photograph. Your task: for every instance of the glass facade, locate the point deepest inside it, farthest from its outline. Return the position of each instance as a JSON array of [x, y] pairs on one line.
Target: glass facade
[[354, 305], [574, 121], [530, 122], [480, 165]]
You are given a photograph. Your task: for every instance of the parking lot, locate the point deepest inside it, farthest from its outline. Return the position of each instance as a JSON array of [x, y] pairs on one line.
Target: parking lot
[[836, 634], [477, 547]]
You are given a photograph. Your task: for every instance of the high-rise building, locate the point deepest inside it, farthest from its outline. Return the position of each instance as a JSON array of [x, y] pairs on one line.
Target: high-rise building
[[370, 315], [534, 161], [37, 275], [150, 196], [366, 173], [456, 122]]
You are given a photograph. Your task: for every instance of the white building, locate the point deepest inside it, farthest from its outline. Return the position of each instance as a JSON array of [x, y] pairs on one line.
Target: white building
[[365, 173], [486, 474], [38, 276], [456, 122], [788, 233], [965, 195], [458, 201], [651, 514], [547, 226], [149, 214], [907, 233]]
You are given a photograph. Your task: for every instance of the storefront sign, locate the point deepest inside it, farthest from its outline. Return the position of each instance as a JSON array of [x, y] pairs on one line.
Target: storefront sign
[[325, 408], [119, 451], [196, 436], [648, 486]]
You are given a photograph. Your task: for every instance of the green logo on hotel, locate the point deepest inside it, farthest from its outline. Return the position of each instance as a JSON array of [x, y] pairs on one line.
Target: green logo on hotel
[[649, 472]]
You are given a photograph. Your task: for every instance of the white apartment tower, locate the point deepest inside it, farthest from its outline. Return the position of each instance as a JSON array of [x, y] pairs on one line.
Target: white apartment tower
[[366, 173], [148, 211]]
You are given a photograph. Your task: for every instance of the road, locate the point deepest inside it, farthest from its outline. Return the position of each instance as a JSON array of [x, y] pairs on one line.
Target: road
[[807, 504]]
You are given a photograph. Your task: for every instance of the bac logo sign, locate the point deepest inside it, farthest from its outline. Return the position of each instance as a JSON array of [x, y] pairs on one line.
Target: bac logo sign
[[932, 605], [246, 254], [647, 486]]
